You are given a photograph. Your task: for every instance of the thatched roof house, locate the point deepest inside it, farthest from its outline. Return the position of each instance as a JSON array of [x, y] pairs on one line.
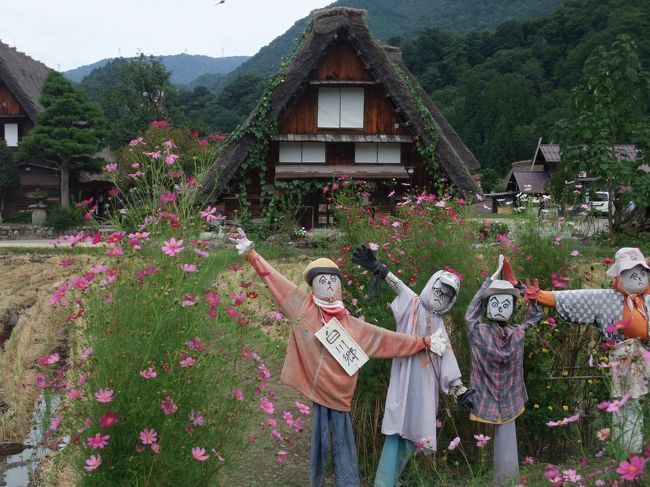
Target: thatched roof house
[[23, 77], [379, 135]]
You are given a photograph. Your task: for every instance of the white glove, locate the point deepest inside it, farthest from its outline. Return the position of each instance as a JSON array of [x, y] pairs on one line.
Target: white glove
[[499, 268], [438, 342], [242, 244]]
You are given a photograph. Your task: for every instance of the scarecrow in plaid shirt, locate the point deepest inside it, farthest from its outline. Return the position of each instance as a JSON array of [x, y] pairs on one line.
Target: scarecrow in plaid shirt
[[497, 350]]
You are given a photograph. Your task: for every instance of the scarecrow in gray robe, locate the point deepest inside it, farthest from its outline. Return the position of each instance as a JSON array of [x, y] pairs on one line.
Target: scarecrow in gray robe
[[621, 314], [415, 382], [497, 350]]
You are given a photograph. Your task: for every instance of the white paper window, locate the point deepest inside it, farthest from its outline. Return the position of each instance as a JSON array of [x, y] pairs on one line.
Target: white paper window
[[329, 107], [307, 152], [340, 107], [11, 134], [290, 152], [365, 153], [389, 153], [352, 107]]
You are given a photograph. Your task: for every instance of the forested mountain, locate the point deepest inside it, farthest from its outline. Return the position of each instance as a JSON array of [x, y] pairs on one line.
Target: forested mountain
[[405, 18], [184, 68], [504, 90]]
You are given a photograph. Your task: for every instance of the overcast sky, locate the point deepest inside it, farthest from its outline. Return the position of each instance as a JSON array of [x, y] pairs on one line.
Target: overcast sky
[[66, 34]]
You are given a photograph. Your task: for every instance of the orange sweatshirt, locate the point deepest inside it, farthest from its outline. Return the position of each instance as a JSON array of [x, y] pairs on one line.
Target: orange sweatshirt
[[309, 368]]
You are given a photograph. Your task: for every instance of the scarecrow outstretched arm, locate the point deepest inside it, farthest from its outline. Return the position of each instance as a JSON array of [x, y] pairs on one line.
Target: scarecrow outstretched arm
[[285, 293]]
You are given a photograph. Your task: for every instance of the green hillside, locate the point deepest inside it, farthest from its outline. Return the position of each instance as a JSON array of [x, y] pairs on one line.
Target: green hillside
[[406, 18], [503, 90]]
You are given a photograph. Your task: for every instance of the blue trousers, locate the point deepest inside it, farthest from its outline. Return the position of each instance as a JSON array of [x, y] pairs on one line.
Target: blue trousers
[[333, 429], [394, 457]]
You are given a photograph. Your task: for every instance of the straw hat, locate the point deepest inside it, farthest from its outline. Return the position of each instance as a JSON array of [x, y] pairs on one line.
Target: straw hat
[[320, 266]]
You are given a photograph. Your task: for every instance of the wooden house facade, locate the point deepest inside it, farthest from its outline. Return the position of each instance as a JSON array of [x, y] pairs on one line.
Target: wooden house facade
[[346, 106]]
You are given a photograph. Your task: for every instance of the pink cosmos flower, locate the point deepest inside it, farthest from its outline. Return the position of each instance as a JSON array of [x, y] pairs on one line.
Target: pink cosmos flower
[[108, 420], [281, 456], [98, 441], [231, 312], [159, 123], [575, 253], [288, 417], [276, 315], [277, 435], [114, 251], [199, 454], [168, 197], [148, 436], [564, 421], [168, 407], [196, 417], [481, 440], [93, 463], [632, 469], [373, 246], [148, 373], [170, 159], [529, 460], [49, 360], [82, 379], [454, 443], [603, 434], [189, 300], [56, 422], [110, 167], [188, 267], [172, 247], [272, 422], [201, 253], [209, 214], [187, 362], [266, 405], [238, 394], [155, 448], [303, 408], [195, 344], [104, 395], [264, 372], [74, 394]]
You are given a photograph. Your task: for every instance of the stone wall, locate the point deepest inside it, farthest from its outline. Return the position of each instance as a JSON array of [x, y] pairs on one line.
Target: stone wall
[[17, 231]]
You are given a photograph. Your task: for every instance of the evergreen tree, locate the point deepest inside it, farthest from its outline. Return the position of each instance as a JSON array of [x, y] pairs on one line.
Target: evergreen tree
[[68, 132]]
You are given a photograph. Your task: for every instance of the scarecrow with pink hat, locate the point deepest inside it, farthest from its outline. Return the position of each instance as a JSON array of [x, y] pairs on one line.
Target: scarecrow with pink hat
[[497, 352], [326, 348], [621, 313]]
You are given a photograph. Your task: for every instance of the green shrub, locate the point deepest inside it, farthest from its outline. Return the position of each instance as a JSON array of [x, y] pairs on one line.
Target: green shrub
[[63, 218], [22, 216]]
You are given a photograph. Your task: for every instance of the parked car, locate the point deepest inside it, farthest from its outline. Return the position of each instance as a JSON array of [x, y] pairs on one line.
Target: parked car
[[599, 202]]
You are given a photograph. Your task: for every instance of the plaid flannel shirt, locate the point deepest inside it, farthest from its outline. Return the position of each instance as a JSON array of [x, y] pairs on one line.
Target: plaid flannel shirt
[[497, 361]]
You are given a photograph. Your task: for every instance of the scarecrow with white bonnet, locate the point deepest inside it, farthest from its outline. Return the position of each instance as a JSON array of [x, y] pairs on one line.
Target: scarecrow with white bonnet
[[326, 348], [415, 382], [621, 313], [497, 351]]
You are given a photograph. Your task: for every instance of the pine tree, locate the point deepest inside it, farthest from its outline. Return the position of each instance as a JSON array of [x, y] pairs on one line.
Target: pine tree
[[68, 133]]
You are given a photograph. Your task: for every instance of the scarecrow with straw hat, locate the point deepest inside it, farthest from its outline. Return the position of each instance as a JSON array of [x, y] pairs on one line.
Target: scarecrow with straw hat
[[325, 345], [497, 351], [621, 313], [415, 382]]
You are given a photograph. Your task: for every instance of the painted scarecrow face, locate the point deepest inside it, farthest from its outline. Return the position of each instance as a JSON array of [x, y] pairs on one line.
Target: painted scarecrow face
[[634, 280], [441, 296], [326, 286], [500, 307]]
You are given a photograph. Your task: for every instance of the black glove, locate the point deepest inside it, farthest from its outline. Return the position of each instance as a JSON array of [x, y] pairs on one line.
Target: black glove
[[465, 402], [365, 257]]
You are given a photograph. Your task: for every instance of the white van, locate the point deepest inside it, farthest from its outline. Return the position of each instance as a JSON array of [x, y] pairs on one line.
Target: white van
[[599, 202]]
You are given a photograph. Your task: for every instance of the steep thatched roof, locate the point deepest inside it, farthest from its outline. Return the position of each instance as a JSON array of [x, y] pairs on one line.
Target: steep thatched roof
[[24, 77], [331, 26]]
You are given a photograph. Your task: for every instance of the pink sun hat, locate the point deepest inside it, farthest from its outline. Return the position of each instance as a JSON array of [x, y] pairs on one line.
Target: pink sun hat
[[625, 259]]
